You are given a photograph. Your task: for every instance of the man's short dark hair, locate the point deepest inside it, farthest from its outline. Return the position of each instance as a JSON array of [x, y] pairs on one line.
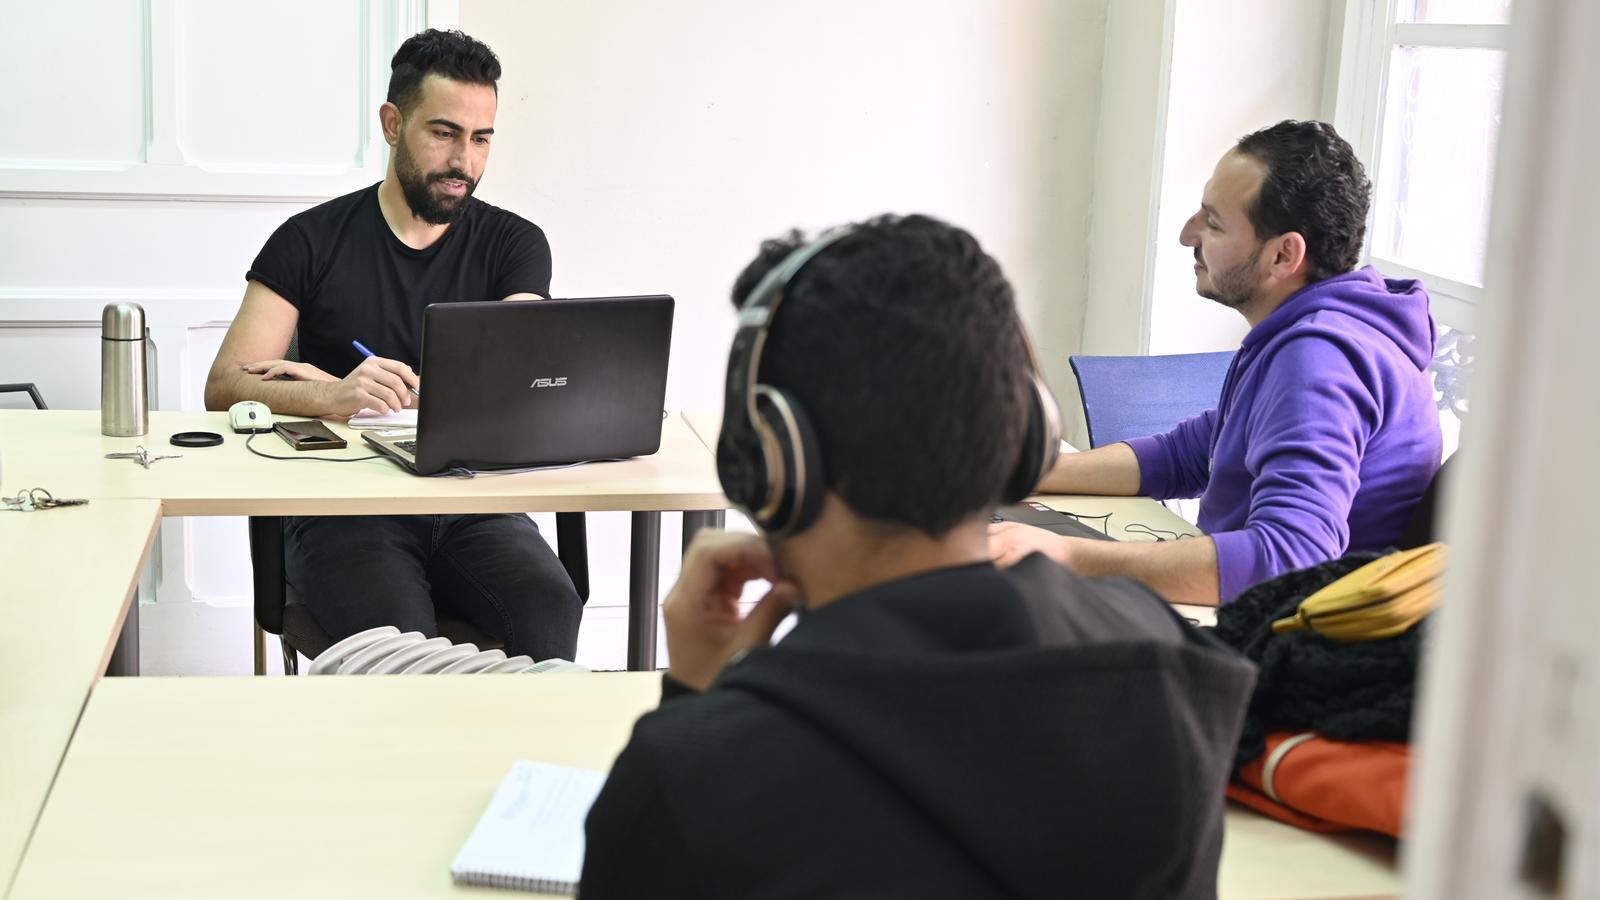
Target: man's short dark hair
[[449, 53], [902, 343], [1314, 185]]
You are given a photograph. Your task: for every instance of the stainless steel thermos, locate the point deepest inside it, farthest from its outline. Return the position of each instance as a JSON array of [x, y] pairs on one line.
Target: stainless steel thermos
[[124, 371]]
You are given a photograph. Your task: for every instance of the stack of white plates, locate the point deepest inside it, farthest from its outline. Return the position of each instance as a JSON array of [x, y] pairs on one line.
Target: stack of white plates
[[386, 651]]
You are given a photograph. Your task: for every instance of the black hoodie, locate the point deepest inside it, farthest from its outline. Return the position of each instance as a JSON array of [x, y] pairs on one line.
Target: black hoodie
[[969, 732]]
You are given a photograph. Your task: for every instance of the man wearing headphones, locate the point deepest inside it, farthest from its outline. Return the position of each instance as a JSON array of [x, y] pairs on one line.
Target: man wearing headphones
[[933, 726]]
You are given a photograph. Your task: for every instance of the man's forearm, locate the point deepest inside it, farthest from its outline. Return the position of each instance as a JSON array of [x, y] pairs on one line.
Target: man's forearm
[[290, 398], [1112, 470], [1182, 571]]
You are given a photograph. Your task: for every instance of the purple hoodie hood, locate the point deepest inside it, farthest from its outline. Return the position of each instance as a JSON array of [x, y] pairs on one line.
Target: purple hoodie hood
[[1395, 310]]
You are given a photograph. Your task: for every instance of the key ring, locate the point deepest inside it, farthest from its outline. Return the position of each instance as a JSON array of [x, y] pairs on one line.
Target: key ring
[[30, 499]]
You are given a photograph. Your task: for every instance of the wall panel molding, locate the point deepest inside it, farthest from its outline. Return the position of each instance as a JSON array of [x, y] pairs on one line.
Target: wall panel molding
[[167, 173], [71, 303]]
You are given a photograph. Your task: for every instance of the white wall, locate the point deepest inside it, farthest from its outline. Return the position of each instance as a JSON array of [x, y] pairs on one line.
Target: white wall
[[1237, 66], [658, 144]]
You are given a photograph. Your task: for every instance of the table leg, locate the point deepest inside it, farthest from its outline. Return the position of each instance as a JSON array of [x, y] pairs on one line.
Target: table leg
[[644, 589], [125, 653], [694, 520]]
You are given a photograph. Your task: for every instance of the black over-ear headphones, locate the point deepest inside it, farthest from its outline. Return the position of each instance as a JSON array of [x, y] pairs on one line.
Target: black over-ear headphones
[[768, 457]]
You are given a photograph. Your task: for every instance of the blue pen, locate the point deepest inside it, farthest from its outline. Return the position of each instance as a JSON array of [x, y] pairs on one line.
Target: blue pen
[[368, 353]]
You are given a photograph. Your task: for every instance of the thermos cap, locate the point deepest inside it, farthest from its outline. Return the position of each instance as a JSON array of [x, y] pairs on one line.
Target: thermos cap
[[122, 322]]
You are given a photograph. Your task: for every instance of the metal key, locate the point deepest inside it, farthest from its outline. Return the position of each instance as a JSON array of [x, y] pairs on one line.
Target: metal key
[[142, 456]]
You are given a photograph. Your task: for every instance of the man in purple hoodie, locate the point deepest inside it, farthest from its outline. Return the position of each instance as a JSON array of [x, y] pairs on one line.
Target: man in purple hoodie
[[1326, 433]]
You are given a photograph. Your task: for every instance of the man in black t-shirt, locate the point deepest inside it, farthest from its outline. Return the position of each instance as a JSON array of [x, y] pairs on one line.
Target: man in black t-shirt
[[361, 268]]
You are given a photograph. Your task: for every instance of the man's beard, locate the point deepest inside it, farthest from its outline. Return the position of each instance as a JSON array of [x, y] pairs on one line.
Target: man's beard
[[427, 204], [1234, 287]]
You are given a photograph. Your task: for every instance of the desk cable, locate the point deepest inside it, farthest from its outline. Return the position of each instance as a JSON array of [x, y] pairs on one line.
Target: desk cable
[[473, 473], [304, 458], [1141, 528], [455, 471]]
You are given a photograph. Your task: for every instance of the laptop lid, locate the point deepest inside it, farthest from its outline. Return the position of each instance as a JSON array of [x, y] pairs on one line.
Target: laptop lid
[[510, 384]]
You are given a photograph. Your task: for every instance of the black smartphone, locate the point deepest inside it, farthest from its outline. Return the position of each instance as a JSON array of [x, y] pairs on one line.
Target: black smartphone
[[308, 434]]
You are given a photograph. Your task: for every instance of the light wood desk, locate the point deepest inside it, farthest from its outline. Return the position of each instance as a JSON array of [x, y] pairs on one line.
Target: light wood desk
[[64, 451], [68, 577], [305, 787], [367, 787]]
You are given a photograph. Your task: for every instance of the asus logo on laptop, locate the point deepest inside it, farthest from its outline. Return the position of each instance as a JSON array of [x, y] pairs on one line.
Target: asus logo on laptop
[[549, 382]]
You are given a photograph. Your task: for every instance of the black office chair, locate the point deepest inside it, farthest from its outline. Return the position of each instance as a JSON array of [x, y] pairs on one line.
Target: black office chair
[[279, 611], [28, 387], [1422, 527]]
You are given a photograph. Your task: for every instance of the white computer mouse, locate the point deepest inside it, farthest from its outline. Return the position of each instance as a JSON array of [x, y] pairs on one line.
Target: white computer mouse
[[249, 416]]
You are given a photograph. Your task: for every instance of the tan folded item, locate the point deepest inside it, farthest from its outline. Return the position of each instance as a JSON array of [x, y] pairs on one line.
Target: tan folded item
[[1381, 599]]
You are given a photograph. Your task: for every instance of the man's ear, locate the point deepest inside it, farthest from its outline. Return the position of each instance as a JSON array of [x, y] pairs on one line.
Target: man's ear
[[1288, 257], [392, 120]]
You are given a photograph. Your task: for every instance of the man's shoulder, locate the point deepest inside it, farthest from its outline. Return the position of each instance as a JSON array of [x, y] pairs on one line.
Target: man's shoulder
[[1068, 608], [722, 708], [498, 219], [1328, 347], [330, 216]]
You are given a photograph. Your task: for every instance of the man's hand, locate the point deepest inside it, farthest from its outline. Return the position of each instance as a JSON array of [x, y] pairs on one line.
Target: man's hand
[[701, 611], [379, 384], [270, 369], [1009, 542]]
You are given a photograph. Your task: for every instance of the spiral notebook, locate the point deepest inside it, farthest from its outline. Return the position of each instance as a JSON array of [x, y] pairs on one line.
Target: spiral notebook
[[531, 836]]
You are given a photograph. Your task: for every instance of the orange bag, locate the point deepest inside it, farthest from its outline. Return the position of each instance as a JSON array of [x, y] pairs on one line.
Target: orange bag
[[1321, 785]]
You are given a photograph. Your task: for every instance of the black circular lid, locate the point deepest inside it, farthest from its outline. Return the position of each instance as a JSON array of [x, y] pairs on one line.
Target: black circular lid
[[196, 439]]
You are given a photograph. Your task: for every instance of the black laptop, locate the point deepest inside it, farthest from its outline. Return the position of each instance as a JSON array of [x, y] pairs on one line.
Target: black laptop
[[528, 383], [1034, 513]]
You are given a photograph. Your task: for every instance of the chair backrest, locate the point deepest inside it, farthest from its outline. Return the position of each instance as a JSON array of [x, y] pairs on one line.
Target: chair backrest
[[1133, 396], [1422, 527], [27, 387]]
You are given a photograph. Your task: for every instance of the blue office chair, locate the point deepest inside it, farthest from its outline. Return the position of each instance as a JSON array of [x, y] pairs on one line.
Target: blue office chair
[[1133, 396]]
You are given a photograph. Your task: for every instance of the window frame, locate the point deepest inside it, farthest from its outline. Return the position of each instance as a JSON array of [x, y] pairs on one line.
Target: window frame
[[1369, 37]]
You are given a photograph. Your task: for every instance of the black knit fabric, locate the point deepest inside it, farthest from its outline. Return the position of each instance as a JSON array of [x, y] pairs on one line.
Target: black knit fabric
[[969, 732], [1306, 682]]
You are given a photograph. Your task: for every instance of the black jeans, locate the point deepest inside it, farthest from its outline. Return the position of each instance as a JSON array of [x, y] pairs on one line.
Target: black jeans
[[492, 571]]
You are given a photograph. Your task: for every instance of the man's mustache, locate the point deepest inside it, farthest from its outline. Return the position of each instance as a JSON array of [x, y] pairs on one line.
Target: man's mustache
[[454, 174]]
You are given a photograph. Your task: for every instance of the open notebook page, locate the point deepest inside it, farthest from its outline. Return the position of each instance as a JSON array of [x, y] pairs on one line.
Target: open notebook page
[[367, 418], [531, 836]]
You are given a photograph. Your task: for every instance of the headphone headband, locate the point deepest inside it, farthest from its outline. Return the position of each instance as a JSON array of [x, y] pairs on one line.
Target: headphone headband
[[768, 456], [755, 318]]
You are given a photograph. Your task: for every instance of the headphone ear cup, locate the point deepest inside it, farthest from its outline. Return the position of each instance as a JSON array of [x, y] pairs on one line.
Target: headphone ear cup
[[741, 466], [1041, 443], [794, 493]]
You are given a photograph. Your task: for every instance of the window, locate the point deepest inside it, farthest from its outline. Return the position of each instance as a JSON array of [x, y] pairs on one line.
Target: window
[[1419, 98]]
